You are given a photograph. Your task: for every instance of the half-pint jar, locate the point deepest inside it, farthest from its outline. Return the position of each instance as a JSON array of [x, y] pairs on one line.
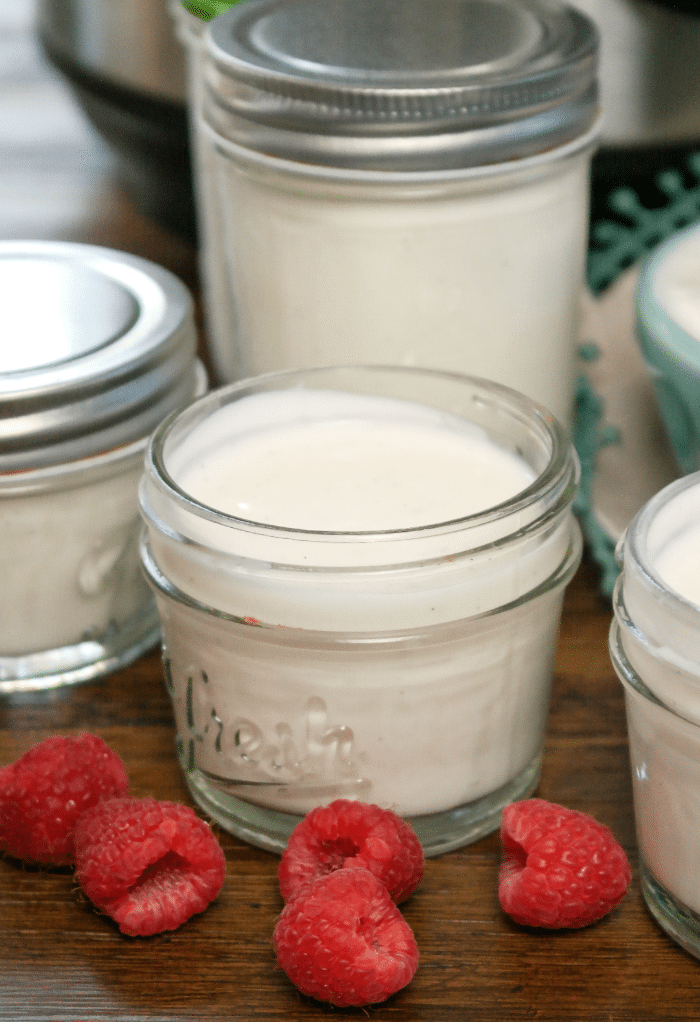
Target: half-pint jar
[[98, 346], [359, 573]]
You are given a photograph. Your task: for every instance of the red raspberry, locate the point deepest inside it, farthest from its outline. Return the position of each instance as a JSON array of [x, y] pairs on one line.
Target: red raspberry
[[43, 794], [560, 867], [346, 834], [343, 940], [149, 865]]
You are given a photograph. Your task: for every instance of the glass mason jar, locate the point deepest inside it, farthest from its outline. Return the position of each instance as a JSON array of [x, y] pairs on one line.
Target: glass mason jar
[[103, 348], [383, 186], [655, 649], [190, 20], [409, 667]]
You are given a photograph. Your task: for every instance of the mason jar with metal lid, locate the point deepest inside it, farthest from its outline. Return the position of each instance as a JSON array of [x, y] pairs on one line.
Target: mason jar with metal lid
[[98, 347], [360, 572], [401, 185]]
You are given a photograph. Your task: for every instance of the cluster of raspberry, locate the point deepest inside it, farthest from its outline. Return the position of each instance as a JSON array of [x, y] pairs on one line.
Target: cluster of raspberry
[[341, 938], [147, 864], [150, 865]]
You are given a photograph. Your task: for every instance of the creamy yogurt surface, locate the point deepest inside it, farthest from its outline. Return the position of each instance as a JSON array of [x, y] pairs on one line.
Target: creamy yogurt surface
[[411, 669], [334, 462], [678, 563]]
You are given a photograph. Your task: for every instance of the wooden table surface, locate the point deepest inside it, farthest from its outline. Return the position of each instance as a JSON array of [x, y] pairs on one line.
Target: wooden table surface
[[62, 961]]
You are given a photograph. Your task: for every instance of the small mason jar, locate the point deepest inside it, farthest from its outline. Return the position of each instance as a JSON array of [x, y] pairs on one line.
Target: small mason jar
[[386, 184], [98, 347], [655, 649], [403, 661]]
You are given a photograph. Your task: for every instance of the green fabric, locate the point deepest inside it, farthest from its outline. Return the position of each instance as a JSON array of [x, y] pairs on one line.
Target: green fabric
[[206, 9], [588, 440], [617, 244]]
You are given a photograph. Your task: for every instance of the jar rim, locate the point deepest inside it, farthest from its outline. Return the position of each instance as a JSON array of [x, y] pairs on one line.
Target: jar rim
[[635, 550], [633, 683], [554, 486], [627, 674]]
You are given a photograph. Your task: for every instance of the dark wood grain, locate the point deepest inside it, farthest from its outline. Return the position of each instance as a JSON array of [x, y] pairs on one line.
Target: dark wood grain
[[62, 961]]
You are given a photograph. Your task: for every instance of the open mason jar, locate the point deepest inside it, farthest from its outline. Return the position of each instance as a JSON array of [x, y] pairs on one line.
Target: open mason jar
[[655, 649], [312, 655]]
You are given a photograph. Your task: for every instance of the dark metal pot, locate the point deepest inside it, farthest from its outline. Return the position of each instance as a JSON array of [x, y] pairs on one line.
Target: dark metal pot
[[126, 69]]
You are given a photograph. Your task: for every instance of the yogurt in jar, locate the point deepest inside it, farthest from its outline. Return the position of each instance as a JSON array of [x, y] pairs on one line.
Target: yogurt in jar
[[360, 594], [678, 564], [655, 648], [326, 461], [85, 578], [482, 275]]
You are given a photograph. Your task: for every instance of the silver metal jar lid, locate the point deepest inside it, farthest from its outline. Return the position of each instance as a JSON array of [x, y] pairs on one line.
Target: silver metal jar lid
[[96, 347], [401, 84]]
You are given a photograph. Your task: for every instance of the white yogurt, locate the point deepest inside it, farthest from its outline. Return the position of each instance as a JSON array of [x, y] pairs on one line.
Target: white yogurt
[[665, 759], [655, 648], [84, 580], [377, 187], [678, 564], [333, 462], [481, 275], [385, 656]]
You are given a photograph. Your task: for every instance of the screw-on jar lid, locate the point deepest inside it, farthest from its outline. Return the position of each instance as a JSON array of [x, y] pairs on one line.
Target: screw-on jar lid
[[401, 84], [97, 347]]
